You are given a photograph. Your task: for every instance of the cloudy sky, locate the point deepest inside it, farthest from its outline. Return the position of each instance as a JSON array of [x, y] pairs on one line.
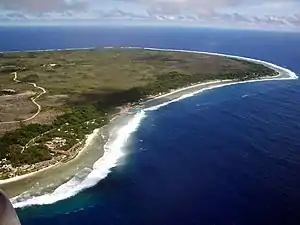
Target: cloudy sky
[[229, 13]]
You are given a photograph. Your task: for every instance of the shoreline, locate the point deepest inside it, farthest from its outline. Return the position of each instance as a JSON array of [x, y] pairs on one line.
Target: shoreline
[[122, 120], [115, 124], [49, 178], [87, 140], [93, 135]]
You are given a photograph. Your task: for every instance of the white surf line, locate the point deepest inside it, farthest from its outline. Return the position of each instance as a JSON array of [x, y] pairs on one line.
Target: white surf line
[[88, 141], [54, 50], [32, 99], [279, 69], [114, 149], [273, 66], [186, 88], [283, 74]]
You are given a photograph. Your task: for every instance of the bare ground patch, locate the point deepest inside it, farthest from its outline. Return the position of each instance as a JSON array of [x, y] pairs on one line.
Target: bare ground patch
[[54, 100], [16, 107], [19, 107], [46, 117], [8, 127]]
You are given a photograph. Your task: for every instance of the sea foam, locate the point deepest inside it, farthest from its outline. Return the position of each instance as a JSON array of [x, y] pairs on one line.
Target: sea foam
[[115, 149]]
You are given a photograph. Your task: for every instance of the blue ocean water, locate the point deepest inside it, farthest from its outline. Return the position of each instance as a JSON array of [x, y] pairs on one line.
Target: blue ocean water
[[226, 156]]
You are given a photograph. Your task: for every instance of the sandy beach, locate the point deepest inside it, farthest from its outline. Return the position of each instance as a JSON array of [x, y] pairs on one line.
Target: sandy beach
[[49, 179]]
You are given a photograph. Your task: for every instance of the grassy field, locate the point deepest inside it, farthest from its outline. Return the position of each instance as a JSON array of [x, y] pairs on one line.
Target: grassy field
[[82, 71], [84, 84], [86, 76]]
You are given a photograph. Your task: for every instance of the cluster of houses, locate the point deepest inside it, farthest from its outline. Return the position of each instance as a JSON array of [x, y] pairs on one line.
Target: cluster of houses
[[56, 143]]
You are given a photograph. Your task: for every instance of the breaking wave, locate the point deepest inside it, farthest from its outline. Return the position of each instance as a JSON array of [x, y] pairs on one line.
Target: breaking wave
[[88, 178], [114, 148]]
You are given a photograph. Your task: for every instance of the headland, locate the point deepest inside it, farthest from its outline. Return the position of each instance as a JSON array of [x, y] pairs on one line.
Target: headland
[[91, 95]]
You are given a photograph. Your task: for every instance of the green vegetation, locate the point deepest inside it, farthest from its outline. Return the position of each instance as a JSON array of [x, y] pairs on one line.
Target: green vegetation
[[95, 83], [73, 125], [99, 70], [32, 78]]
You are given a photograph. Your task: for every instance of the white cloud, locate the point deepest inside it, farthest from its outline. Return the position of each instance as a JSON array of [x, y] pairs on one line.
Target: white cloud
[[213, 12]]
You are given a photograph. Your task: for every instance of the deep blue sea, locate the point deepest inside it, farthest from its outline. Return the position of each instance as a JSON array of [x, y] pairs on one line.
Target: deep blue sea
[[228, 156]]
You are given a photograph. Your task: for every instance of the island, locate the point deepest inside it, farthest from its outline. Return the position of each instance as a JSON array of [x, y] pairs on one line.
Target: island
[[50, 101]]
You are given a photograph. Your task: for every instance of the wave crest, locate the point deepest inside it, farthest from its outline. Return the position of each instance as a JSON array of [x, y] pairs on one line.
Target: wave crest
[[114, 148]]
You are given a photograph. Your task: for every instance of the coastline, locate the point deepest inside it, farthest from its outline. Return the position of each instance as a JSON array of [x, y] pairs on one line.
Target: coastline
[[108, 135], [40, 181], [148, 103], [87, 141]]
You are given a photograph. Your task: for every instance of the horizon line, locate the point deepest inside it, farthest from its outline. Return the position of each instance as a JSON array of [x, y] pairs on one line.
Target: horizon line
[[153, 25]]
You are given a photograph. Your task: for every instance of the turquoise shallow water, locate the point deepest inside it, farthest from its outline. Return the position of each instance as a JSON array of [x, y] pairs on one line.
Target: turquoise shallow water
[[226, 156]]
